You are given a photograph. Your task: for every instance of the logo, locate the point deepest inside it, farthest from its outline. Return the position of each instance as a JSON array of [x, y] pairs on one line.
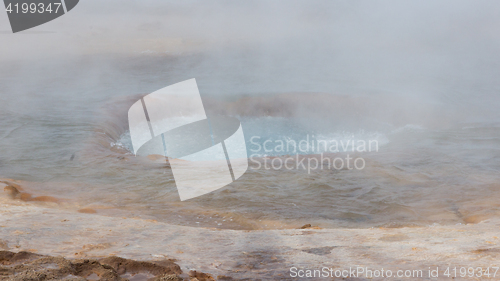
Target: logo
[[26, 14], [205, 154]]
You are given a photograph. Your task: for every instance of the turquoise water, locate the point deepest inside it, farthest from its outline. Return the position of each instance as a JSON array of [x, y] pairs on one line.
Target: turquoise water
[[64, 130]]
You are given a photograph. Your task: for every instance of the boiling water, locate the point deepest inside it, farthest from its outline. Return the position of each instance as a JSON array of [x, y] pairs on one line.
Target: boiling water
[[64, 132]]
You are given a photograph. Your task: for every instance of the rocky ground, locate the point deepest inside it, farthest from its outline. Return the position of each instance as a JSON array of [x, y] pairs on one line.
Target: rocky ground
[[43, 242], [26, 266]]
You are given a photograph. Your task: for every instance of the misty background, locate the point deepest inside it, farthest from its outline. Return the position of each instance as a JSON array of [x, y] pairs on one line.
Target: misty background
[[441, 51]]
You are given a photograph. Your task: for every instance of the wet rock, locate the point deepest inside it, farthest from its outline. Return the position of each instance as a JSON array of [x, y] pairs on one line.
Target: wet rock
[[87, 268], [30, 266], [167, 277], [123, 266], [9, 258], [9, 182], [87, 211], [30, 275], [475, 219], [200, 276], [46, 199], [394, 238], [4, 245], [25, 196], [487, 251], [12, 191], [28, 197], [156, 157], [321, 251]]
